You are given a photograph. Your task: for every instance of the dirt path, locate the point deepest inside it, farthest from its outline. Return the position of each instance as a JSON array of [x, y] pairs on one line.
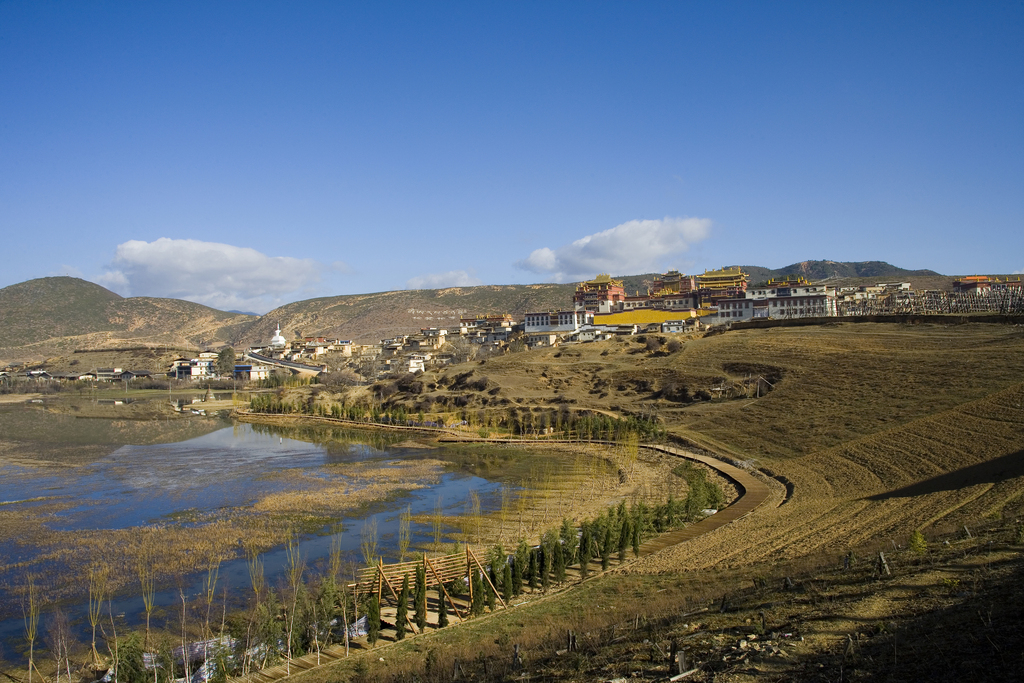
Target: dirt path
[[753, 493]]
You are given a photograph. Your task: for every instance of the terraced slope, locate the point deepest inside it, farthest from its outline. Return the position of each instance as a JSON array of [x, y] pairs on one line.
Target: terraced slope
[[879, 428], [940, 472]]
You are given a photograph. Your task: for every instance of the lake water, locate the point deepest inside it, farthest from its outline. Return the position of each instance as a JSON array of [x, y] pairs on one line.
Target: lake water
[[153, 478]]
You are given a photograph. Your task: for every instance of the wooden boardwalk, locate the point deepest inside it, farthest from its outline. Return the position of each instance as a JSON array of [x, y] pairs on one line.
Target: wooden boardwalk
[[753, 493]]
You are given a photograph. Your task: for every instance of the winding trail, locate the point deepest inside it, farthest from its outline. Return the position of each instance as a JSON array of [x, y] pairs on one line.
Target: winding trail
[[753, 493]]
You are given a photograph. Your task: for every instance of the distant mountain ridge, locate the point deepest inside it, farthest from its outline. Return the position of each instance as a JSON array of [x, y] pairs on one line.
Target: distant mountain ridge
[[54, 315], [824, 270], [59, 314]]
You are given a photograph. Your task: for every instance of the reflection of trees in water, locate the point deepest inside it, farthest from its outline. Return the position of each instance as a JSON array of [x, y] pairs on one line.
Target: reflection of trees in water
[[320, 436], [65, 433]]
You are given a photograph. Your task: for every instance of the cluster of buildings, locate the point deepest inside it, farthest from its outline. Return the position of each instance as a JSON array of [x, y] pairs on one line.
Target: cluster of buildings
[[97, 375], [601, 309], [983, 284], [679, 303]]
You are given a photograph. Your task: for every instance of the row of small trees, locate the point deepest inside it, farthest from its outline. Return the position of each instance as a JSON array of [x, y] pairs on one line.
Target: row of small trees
[[568, 424], [612, 534]]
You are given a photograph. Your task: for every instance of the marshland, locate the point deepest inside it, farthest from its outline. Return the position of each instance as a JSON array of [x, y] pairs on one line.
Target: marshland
[[133, 491]]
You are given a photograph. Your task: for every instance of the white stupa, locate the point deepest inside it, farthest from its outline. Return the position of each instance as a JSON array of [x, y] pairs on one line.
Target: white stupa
[[278, 341]]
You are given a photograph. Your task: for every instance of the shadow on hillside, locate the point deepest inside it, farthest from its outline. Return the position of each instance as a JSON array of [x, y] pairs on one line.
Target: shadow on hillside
[[991, 472]]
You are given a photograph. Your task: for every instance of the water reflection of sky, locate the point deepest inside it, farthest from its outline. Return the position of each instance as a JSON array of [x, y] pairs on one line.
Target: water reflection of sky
[[231, 467], [138, 485]]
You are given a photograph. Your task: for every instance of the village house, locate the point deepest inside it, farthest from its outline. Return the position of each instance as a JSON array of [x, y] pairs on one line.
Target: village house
[[205, 366], [557, 321], [253, 372], [541, 339], [417, 362], [677, 326], [431, 338], [982, 284], [790, 298]]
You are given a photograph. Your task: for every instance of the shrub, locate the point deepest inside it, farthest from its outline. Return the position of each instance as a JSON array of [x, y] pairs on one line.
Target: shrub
[[917, 542]]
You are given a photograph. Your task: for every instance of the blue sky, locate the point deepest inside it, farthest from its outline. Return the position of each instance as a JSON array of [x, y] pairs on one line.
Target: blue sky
[[247, 154]]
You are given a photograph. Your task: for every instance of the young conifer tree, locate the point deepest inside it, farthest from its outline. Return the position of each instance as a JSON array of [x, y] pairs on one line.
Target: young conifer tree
[[442, 609], [545, 566], [477, 604], [490, 591], [558, 561], [625, 534], [521, 566], [606, 547], [534, 569], [507, 589], [403, 609], [372, 620], [585, 549], [420, 597]]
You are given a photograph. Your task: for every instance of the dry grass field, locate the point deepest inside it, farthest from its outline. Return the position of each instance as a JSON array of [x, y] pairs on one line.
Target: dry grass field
[[870, 433], [879, 429]]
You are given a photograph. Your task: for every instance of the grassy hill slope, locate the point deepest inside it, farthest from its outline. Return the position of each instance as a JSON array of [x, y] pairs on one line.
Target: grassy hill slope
[[372, 317], [58, 314], [859, 415]]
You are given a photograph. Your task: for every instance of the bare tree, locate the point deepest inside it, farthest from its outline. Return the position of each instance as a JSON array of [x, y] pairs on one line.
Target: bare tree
[[185, 660], [334, 565], [368, 541], [438, 521], [474, 516], [98, 575], [256, 580], [30, 612], [58, 637], [145, 569], [631, 450], [506, 502], [112, 642], [404, 526], [209, 592], [294, 571]]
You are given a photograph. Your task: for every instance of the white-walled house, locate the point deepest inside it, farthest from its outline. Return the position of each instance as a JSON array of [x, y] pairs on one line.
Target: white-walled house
[[801, 300], [557, 321]]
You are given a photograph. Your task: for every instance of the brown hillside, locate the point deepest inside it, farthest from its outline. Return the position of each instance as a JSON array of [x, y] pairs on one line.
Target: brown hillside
[[57, 315], [879, 429], [369, 318]]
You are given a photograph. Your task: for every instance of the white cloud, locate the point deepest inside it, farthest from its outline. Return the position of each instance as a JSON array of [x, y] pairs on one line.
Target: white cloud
[[453, 278], [1019, 272], [219, 275], [637, 246]]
